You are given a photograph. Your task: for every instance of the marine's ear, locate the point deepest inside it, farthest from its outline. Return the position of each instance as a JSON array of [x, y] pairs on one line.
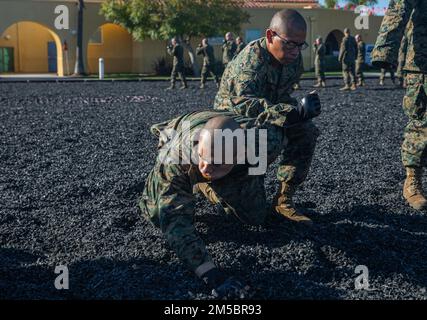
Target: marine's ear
[[269, 34]]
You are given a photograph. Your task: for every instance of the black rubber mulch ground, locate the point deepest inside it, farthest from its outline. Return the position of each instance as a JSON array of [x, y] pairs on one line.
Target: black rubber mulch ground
[[73, 162]]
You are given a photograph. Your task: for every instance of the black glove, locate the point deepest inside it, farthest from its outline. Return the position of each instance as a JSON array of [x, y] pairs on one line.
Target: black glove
[[225, 288], [309, 107], [232, 289]]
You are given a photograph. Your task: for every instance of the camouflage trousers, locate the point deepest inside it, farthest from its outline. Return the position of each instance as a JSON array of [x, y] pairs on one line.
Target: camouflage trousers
[[173, 213], [384, 72], [320, 71], [359, 71], [178, 70], [349, 73], [244, 198], [206, 69], [415, 135], [298, 154]]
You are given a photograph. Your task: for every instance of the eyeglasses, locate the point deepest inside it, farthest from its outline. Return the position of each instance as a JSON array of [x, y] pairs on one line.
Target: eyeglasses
[[290, 45]]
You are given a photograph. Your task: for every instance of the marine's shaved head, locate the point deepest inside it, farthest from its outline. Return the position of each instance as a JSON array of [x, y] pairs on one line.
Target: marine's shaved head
[[287, 22], [206, 140], [221, 122], [208, 166]]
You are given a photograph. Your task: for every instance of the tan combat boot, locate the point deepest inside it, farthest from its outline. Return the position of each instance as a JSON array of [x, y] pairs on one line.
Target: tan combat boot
[[345, 88], [353, 87], [413, 189], [284, 205]]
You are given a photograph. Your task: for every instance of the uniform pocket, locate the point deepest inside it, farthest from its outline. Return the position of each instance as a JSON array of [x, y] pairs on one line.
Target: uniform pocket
[[414, 102]]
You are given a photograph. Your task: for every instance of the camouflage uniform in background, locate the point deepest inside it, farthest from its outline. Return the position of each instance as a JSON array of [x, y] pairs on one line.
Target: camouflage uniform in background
[[347, 57], [360, 62], [384, 72], [168, 200], [386, 50], [177, 52], [228, 52], [240, 47], [401, 60], [253, 83], [208, 63], [319, 62]]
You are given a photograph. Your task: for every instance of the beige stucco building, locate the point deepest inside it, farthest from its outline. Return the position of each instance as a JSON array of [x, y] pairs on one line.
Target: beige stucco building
[[30, 42]]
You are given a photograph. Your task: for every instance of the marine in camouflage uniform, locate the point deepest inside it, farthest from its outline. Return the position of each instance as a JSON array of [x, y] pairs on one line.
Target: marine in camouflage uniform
[[177, 51], [229, 48], [207, 51], [240, 45], [319, 62], [385, 53], [360, 60], [347, 57], [254, 82], [384, 73], [401, 61], [168, 200]]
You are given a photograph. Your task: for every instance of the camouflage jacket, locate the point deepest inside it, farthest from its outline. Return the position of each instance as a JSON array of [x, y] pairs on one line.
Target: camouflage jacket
[[403, 50], [396, 19], [348, 50], [361, 52], [254, 82], [178, 54], [168, 194], [228, 51], [240, 47], [319, 53], [208, 54]]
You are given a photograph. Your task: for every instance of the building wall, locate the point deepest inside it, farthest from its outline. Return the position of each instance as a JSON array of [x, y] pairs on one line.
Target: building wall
[[116, 49], [29, 41], [143, 55]]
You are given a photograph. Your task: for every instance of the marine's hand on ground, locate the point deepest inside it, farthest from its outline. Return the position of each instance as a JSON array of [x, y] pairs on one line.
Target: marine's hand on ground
[[232, 288]]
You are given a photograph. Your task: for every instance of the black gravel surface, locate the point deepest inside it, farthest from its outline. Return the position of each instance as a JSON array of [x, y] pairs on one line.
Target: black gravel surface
[[74, 158]]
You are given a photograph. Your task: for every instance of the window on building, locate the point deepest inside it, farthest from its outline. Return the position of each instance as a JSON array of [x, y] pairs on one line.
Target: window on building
[[252, 34]]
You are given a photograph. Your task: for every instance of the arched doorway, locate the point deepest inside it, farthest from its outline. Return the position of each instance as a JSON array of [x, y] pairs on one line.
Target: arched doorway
[[333, 42], [115, 45], [30, 47]]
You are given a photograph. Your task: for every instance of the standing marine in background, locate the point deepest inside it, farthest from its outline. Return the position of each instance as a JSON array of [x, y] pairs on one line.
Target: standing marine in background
[[347, 57], [228, 49], [319, 62], [177, 52], [360, 60], [383, 74], [240, 45], [385, 54], [207, 51]]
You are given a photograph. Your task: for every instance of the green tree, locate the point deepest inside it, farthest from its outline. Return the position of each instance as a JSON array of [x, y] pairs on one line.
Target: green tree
[[362, 2], [184, 19], [331, 3]]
